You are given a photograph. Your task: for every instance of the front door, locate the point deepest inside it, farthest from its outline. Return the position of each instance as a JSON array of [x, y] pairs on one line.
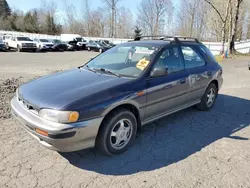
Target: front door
[[167, 93]]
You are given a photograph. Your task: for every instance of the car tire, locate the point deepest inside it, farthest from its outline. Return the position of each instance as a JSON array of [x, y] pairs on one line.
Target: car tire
[[117, 132], [88, 48], [208, 98], [18, 48], [100, 50], [7, 46]]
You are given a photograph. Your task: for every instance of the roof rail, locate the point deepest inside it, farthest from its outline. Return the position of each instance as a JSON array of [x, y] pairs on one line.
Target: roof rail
[[177, 39]]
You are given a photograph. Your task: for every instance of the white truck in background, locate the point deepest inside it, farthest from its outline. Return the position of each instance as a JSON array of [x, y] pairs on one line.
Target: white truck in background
[[80, 42], [19, 43]]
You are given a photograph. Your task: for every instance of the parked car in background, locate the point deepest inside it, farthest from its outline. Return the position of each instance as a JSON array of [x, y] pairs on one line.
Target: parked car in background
[[96, 46], [2, 46], [105, 44], [21, 44], [59, 45], [72, 46], [103, 103], [74, 37], [44, 44]]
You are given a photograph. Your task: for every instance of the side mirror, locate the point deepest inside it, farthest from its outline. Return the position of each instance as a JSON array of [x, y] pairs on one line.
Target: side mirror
[[158, 72]]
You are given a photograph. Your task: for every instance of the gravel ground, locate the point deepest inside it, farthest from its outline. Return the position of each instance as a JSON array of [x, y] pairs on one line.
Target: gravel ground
[[187, 149]]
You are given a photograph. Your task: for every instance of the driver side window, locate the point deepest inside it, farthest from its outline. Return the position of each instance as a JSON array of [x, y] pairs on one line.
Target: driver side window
[[170, 59]]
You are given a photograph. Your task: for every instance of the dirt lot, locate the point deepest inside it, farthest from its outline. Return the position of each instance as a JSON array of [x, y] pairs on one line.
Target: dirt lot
[[187, 149]]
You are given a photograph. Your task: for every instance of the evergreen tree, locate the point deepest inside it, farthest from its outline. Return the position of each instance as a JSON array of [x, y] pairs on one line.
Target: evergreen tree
[[137, 32], [51, 27], [35, 22], [30, 22], [5, 10]]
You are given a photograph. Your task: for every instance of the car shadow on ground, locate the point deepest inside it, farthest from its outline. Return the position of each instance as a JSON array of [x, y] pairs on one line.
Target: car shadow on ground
[[171, 139]]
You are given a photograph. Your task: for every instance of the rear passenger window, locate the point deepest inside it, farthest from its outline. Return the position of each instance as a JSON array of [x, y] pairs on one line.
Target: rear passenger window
[[192, 59]]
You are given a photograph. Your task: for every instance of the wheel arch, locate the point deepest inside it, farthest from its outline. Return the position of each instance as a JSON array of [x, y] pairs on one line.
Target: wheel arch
[[215, 82], [128, 106]]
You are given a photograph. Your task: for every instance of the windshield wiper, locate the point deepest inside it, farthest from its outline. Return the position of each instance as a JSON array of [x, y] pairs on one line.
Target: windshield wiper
[[108, 71], [90, 69]]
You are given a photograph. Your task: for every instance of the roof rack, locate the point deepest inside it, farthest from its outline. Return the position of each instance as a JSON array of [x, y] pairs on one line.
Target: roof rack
[[177, 39]]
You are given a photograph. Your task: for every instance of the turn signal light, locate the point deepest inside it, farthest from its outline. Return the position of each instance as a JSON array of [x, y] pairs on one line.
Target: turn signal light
[[44, 133]]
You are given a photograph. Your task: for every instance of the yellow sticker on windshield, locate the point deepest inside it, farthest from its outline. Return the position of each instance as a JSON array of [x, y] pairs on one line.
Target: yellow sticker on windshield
[[142, 64]]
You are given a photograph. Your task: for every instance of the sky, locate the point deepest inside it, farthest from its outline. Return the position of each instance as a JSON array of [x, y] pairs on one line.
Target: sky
[[30, 4], [26, 5]]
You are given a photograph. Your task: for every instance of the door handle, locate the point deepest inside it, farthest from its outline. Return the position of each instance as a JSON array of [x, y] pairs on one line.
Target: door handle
[[183, 81]]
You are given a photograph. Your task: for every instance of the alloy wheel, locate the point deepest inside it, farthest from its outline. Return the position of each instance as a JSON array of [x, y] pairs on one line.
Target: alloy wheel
[[121, 134], [211, 97]]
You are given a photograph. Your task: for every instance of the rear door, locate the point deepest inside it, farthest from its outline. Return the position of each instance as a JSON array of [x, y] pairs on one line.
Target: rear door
[[167, 93], [196, 67]]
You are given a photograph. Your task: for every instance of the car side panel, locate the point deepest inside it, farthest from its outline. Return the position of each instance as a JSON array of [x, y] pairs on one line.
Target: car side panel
[[165, 94], [199, 79]]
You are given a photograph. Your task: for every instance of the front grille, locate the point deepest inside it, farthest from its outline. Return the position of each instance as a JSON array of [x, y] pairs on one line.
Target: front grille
[[28, 45], [28, 106]]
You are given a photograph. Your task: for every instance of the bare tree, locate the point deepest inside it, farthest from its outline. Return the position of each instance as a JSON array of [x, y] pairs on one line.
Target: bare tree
[[112, 4], [223, 20], [72, 22], [156, 11], [125, 23], [192, 17], [232, 43]]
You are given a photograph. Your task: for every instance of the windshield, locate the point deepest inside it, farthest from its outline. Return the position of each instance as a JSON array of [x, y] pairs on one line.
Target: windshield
[[57, 41], [79, 39], [44, 40], [99, 43], [23, 39], [128, 60]]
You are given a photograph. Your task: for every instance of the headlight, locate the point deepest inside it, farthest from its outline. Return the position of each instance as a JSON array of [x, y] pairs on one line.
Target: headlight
[[59, 116]]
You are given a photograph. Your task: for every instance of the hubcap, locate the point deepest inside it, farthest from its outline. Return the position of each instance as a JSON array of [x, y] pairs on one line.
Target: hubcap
[[121, 134], [210, 97]]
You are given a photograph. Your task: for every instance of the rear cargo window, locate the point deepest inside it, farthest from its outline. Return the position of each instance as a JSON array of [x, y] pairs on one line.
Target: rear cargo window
[[209, 53]]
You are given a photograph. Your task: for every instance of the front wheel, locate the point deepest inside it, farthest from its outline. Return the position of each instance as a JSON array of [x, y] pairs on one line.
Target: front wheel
[[18, 48], [117, 132], [209, 97], [100, 50]]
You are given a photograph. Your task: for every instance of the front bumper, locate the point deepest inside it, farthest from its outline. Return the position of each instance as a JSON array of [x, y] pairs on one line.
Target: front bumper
[[62, 137], [28, 47]]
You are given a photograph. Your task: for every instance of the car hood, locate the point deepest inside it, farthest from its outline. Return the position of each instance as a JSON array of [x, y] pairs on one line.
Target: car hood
[[61, 89], [28, 42]]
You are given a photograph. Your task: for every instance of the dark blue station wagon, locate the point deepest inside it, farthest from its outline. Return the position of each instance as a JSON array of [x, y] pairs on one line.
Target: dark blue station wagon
[[102, 104]]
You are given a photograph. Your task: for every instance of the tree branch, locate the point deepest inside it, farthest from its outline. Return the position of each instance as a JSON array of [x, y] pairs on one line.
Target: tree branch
[[211, 4]]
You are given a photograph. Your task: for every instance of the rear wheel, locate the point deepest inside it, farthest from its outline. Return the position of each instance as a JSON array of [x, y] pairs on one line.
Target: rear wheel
[[7, 46], [88, 48], [117, 132], [18, 48], [100, 50], [209, 97]]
